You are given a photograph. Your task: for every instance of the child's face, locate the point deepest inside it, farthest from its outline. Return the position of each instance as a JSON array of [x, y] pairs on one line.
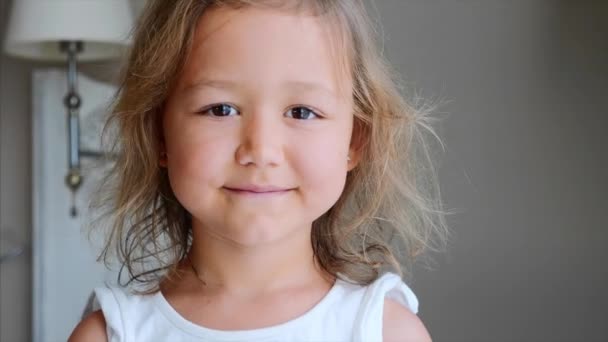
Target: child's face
[[246, 154]]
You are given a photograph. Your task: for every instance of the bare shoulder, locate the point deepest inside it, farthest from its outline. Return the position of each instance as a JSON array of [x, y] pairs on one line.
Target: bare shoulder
[[90, 329], [400, 324]]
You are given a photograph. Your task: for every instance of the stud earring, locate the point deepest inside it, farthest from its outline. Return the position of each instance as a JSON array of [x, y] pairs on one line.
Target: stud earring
[[162, 161]]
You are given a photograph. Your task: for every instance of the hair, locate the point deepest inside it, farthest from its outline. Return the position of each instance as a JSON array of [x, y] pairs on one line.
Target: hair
[[390, 210]]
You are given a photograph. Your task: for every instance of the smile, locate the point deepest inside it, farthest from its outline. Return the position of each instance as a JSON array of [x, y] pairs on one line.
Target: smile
[[257, 191]]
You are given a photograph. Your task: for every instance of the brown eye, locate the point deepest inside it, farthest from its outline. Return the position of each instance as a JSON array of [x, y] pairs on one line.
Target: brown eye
[[220, 110], [302, 113]]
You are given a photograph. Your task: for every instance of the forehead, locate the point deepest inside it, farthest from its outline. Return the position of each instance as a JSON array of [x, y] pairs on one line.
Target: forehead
[[260, 45]]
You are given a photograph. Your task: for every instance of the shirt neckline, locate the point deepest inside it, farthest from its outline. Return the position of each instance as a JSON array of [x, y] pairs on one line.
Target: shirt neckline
[[232, 335]]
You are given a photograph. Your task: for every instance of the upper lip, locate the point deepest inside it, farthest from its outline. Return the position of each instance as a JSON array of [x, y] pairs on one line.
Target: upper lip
[[257, 188]]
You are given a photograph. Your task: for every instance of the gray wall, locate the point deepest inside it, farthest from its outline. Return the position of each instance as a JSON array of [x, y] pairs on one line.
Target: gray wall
[[15, 181], [526, 155], [15, 193], [527, 159]]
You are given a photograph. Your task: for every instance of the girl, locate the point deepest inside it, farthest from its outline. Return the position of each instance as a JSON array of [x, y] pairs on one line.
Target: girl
[[270, 180]]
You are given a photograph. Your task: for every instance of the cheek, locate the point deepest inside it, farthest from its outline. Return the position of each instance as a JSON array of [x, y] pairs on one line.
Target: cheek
[[322, 167], [195, 163]]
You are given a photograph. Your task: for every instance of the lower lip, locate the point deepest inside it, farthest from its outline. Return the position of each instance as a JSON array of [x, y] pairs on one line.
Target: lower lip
[[254, 194]]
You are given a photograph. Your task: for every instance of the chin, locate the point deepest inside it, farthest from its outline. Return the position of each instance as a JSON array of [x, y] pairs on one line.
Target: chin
[[254, 238], [258, 232]]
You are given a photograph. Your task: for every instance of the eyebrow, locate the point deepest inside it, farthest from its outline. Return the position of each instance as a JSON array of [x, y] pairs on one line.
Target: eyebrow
[[228, 85]]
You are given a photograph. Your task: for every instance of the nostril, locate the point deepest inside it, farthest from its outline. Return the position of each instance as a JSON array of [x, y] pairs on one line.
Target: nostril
[[262, 155]]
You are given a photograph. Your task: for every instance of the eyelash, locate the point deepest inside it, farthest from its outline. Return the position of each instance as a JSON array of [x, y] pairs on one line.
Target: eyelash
[[207, 110]]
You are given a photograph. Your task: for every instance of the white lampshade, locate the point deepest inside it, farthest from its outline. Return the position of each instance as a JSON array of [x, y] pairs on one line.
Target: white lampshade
[[37, 26]]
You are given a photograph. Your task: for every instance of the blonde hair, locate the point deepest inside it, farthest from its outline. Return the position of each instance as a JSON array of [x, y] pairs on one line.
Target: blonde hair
[[389, 212]]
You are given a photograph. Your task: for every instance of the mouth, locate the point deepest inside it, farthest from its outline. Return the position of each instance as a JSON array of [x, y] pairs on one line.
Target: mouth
[[257, 190]]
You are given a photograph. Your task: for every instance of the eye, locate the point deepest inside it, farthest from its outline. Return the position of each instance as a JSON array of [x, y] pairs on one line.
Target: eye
[[220, 110], [302, 113]]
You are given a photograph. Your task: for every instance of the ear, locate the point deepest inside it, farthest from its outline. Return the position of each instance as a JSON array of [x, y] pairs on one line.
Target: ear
[[357, 144]]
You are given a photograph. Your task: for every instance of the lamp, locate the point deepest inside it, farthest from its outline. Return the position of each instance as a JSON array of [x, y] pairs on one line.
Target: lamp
[[69, 30]]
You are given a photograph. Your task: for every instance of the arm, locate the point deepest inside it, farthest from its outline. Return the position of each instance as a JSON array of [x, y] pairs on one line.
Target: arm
[[90, 329], [400, 324]]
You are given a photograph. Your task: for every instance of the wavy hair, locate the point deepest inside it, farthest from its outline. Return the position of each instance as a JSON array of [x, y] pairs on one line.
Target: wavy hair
[[390, 210]]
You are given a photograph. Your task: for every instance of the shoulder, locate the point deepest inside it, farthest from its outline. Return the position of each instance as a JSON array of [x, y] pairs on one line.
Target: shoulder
[[92, 328], [400, 324]]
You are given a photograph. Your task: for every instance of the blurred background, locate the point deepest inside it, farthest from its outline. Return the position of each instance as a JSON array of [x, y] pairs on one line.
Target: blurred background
[[524, 85]]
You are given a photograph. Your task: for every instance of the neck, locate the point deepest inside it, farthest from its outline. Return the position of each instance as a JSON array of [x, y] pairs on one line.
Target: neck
[[224, 265]]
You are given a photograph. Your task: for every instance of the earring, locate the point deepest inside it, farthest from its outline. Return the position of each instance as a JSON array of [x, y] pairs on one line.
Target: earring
[[348, 158], [162, 160]]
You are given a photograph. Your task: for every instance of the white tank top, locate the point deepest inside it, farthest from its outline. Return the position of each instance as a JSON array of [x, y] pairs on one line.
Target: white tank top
[[348, 312]]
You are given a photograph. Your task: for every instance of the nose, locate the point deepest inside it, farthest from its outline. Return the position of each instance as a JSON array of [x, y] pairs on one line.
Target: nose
[[261, 141]]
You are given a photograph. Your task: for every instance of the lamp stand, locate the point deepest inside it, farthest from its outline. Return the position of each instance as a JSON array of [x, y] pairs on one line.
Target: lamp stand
[[72, 103]]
